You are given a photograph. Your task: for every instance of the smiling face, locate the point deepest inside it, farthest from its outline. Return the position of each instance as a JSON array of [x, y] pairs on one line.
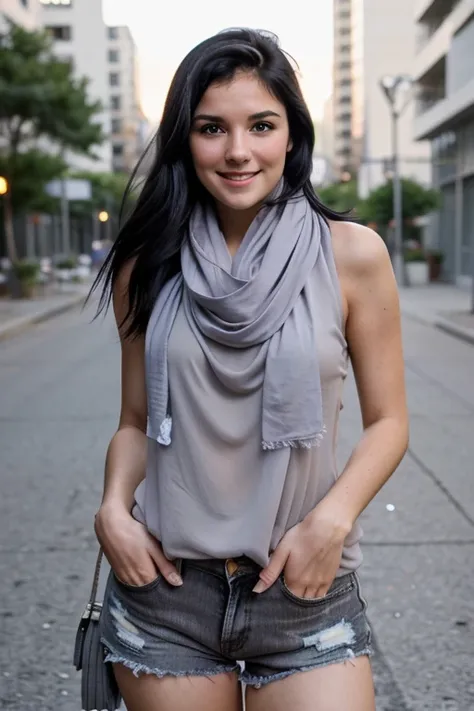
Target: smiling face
[[239, 141]]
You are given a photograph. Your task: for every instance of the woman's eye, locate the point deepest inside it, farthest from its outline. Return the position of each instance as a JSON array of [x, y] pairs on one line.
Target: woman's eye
[[210, 129], [262, 127]]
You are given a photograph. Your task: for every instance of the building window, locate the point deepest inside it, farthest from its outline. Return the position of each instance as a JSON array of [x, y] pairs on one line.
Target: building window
[[114, 55], [114, 79], [113, 32], [115, 103], [61, 33], [116, 125], [117, 149], [57, 3], [24, 3]]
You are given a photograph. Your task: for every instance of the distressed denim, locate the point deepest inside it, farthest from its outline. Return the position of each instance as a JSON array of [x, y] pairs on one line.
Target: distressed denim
[[214, 623]]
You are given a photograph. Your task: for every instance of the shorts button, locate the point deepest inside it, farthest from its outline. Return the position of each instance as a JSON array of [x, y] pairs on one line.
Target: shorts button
[[231, 566]]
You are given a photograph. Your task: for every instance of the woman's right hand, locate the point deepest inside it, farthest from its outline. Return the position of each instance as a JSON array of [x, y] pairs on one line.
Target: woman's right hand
[[135, 556]]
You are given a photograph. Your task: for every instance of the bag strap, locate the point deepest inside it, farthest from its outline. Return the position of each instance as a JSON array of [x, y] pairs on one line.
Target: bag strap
[[95, 582]]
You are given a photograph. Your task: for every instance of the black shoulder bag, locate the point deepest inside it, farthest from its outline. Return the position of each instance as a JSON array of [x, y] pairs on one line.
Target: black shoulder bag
[[99, 688]]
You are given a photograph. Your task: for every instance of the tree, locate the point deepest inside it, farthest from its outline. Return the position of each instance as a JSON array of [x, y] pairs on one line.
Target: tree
[[341, 197], [41, 102], [417, 201], [107, 193]]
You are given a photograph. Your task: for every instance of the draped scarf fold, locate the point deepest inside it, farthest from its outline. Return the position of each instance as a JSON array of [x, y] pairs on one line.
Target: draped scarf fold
[[257, 299]]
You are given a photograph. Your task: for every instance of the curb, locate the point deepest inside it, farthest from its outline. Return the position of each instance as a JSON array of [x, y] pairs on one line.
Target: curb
[[463, 334], [459, 332], [17, 325]]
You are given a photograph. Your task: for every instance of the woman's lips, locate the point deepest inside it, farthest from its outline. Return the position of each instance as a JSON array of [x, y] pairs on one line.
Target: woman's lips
[[238, 179]]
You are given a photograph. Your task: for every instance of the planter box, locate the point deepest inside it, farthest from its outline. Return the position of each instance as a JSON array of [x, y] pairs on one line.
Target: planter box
[[418, 273]]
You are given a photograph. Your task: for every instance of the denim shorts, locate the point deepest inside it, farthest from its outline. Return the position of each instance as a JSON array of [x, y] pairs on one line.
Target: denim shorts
[[214, 623]]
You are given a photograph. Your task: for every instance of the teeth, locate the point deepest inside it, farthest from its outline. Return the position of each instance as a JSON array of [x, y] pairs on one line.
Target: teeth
[[239, 177]]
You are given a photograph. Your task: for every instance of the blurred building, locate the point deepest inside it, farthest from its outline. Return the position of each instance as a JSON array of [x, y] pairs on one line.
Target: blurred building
[[326, 141], [373, 39], [80, 37], [444, 70], [129, 124], [337, 120], [26, 13]]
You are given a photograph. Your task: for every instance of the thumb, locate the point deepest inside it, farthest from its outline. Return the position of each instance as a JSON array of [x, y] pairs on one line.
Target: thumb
[[166, 567], [270, 574]]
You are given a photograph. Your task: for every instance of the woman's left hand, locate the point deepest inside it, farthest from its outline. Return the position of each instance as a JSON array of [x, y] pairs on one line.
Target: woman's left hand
[[309, 553]]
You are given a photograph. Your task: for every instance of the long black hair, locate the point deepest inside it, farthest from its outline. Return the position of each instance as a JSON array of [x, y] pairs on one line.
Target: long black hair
[[154, 231]]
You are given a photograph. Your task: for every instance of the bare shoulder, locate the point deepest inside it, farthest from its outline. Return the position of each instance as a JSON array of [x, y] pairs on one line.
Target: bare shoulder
[[358, 251]]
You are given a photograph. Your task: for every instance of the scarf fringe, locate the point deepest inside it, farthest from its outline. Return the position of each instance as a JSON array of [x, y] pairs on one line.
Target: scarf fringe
[[164, 437], [295, 443]]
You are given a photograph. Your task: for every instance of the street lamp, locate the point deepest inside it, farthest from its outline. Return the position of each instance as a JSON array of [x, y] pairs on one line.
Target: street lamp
[[103, 216], [397, 90], [5, 192]]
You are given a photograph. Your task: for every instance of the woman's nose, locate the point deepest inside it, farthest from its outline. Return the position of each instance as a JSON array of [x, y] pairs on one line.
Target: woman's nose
[[238, 149]]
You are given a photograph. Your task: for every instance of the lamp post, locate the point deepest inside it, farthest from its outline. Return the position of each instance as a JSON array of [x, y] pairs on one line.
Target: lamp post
[[14, 282], [8, 219], [397, 92]]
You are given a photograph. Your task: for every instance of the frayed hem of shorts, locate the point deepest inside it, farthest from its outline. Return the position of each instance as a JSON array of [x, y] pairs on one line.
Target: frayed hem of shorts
[[257, 682], [137, 668]]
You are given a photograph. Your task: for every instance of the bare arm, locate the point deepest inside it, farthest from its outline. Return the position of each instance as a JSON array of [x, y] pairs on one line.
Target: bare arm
[[135, 556], [373, 332], [126, 456]]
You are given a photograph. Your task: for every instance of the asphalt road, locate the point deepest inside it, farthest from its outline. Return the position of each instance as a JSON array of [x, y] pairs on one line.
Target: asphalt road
[[59, 386]]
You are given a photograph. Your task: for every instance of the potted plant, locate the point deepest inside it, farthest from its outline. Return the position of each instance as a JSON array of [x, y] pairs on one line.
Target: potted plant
[[65, 269], [417, 267], [27, 274], [435, 260]]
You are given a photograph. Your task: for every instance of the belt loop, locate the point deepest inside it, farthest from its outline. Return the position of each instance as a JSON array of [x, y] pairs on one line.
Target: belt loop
[[179, 565]]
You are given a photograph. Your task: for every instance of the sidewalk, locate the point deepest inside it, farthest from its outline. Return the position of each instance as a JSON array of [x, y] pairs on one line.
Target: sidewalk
[[17, 314], [442, 305]]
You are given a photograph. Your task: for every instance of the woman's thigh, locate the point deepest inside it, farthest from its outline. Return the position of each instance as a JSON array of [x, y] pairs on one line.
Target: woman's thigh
[[345, 686], [185, 693]]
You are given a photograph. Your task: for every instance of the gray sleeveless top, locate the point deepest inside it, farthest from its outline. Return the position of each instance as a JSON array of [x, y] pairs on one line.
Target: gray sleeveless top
[[213, 492]]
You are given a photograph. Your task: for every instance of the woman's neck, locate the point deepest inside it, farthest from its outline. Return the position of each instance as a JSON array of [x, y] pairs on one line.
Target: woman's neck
[[234, 224]]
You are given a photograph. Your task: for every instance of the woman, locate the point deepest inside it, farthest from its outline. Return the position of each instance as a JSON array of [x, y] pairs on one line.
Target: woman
[[238, 296]]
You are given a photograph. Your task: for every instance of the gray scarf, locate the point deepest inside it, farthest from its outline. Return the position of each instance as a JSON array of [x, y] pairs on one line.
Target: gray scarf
[[257, 299]]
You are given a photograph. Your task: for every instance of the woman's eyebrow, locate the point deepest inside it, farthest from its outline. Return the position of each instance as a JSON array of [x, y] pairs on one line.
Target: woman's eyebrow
[[219, 119]]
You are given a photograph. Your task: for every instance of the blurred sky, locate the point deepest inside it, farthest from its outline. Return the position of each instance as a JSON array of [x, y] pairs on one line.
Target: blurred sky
[[164, 33]]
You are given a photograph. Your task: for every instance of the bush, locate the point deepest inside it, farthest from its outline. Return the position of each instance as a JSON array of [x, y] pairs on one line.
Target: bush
[[26, 271], [67, 263], [415, 255]]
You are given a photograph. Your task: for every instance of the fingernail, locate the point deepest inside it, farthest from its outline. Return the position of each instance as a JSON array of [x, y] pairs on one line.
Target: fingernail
[[260, 587], [175, 579]]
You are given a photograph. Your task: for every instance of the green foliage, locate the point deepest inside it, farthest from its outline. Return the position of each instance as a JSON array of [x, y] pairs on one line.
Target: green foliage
[[107, 193], [417, 201], [415, 255], [341, 197], [27, 271], [28, 174], [40, 98], [68, 263]]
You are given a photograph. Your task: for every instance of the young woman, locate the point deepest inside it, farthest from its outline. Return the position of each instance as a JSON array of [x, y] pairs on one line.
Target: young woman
[[239, 297]]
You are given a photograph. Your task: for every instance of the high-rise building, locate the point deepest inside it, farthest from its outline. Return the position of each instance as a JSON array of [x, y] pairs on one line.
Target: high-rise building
[[343, 158], [128, 120], [80, 36], [445, 116], [372, 40], [26, 13]]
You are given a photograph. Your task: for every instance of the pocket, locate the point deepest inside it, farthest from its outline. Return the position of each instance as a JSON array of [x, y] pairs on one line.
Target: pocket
[[340, 587], [137, 588]]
